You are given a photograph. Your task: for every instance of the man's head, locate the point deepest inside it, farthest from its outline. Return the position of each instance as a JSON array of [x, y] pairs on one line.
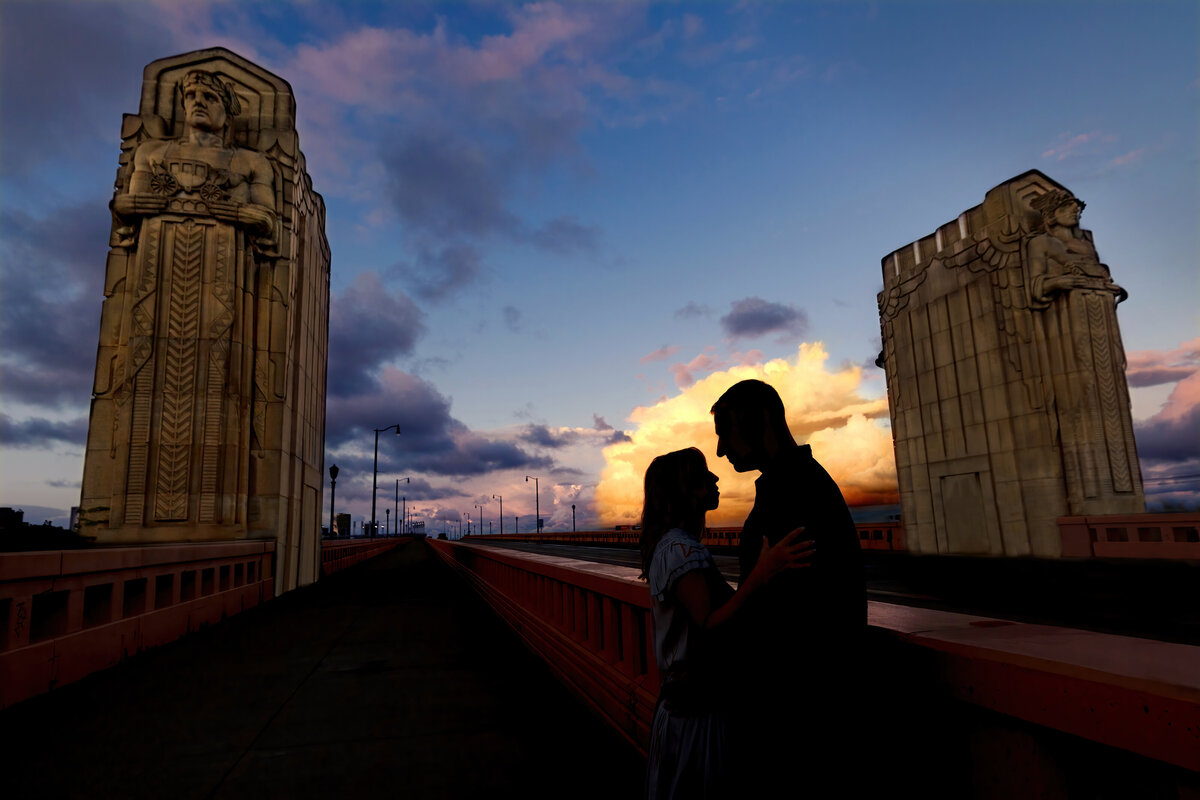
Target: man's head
[[751, 426], [1058, 207], [208, 102]]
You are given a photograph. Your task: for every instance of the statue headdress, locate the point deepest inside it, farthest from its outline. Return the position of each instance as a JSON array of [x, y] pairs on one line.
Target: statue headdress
[[229, 98], [1046, 204]]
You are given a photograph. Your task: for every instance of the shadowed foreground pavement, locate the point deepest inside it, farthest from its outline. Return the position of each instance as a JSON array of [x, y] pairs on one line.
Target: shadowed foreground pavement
[[389, 679]]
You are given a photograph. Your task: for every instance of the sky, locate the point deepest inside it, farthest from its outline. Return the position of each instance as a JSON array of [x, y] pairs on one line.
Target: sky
[[561, 230]]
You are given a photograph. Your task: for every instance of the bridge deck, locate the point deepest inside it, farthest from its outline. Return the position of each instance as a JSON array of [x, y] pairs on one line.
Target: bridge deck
[[391, 678]]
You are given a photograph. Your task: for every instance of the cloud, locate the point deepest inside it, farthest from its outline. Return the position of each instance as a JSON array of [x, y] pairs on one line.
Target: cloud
[[565, 235], [512, 318], [660, 354], [543, 436], [438, 272], [368, 326], [1173, 434], [52, 269], [753, 317], [1155, 367], [431, 441], [1077, 144], [693, 310], [824, 408], [686, 374], [37, 432], [447, 186], [601, 425]]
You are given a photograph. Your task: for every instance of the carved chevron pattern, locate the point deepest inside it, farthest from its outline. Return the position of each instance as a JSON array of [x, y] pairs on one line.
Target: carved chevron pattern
[[179, 374], [139, 446], [214, 402], [1106, 387]]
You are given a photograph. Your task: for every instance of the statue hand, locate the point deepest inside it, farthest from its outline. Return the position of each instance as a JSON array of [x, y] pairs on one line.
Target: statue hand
[[256, 218], [224, 210], [140, 204]]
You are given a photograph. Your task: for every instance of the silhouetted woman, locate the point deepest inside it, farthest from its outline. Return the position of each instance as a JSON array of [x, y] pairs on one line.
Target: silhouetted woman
[[692, 605]]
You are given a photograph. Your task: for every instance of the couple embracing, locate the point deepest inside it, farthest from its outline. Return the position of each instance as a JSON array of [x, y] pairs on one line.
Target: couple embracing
[[759, 685]]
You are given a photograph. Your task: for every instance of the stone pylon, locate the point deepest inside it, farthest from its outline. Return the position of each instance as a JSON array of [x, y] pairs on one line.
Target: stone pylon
[[208, 410], [1006, 377]]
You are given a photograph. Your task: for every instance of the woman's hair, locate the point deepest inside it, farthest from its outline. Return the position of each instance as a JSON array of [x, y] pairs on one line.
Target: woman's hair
[[671, 499]]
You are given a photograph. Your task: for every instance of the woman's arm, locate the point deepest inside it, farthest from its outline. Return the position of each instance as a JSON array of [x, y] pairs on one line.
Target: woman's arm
[[691, 591]]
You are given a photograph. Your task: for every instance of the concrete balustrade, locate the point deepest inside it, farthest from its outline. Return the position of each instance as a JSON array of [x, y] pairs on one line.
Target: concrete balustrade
[[71, 612], [1018, 704], [67, 613], [590, 623], [338, 554], [872, 536]]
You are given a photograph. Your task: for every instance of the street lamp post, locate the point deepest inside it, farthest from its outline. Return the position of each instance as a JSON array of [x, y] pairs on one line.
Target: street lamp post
[[572, 517], [375, 472], [333, 473], [537, 511], [501, 518], [387, 522], [479, 527], [395, 503]]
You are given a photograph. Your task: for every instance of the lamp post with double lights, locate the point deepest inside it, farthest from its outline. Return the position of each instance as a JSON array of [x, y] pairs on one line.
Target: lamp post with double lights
[[396, 504], [501, 517], [333, 473], [537, 512], [375, 473]]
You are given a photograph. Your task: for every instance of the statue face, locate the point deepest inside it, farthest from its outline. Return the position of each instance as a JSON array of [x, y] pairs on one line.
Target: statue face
[[203, 109], [1067, 214]]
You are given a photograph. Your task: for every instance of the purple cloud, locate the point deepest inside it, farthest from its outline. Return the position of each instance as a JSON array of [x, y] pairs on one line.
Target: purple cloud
[[52, 270], [368, 326], [37, 432], [754, 317]]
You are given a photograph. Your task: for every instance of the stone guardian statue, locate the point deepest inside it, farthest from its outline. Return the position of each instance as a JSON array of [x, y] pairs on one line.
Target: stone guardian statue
[[208, 412], [1006, 377]]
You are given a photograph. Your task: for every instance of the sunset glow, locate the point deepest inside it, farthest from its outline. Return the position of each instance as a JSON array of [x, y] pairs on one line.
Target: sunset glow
[[825, 408]]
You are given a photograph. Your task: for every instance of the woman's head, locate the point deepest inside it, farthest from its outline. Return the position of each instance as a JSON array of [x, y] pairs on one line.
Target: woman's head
[[679, 490]]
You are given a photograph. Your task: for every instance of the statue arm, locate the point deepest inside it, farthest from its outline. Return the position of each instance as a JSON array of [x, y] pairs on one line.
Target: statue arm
[[257, 215], [139, 200], [1045, 279]]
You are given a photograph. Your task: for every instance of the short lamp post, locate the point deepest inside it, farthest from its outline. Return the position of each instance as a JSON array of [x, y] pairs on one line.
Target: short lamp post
[[333, 472], [537, 511], [572, 517], [375, 473], [501, 517]]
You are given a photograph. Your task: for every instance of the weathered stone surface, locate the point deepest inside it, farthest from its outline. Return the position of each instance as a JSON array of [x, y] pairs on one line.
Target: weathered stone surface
[[208, 407], [1006, 377]]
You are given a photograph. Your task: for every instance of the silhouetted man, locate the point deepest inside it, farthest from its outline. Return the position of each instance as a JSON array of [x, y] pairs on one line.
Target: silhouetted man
[[795, 677]]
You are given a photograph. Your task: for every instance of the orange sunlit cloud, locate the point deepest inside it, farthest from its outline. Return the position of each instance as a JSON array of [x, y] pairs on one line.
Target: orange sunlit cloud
[[824, 409]]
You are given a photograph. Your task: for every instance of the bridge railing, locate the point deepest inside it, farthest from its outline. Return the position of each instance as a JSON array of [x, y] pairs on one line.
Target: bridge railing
[[593, 629], [997, 685], [337, 554], [66, 613], [1171, 536], [872, 536]]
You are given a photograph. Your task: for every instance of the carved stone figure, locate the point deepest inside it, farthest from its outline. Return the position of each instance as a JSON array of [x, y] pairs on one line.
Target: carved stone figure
[[1077, 298], [208, 411], [1006, 377]]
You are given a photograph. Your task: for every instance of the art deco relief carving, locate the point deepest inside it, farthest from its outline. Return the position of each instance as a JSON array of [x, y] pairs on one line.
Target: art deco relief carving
[[1019, 315], [199, 376]]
